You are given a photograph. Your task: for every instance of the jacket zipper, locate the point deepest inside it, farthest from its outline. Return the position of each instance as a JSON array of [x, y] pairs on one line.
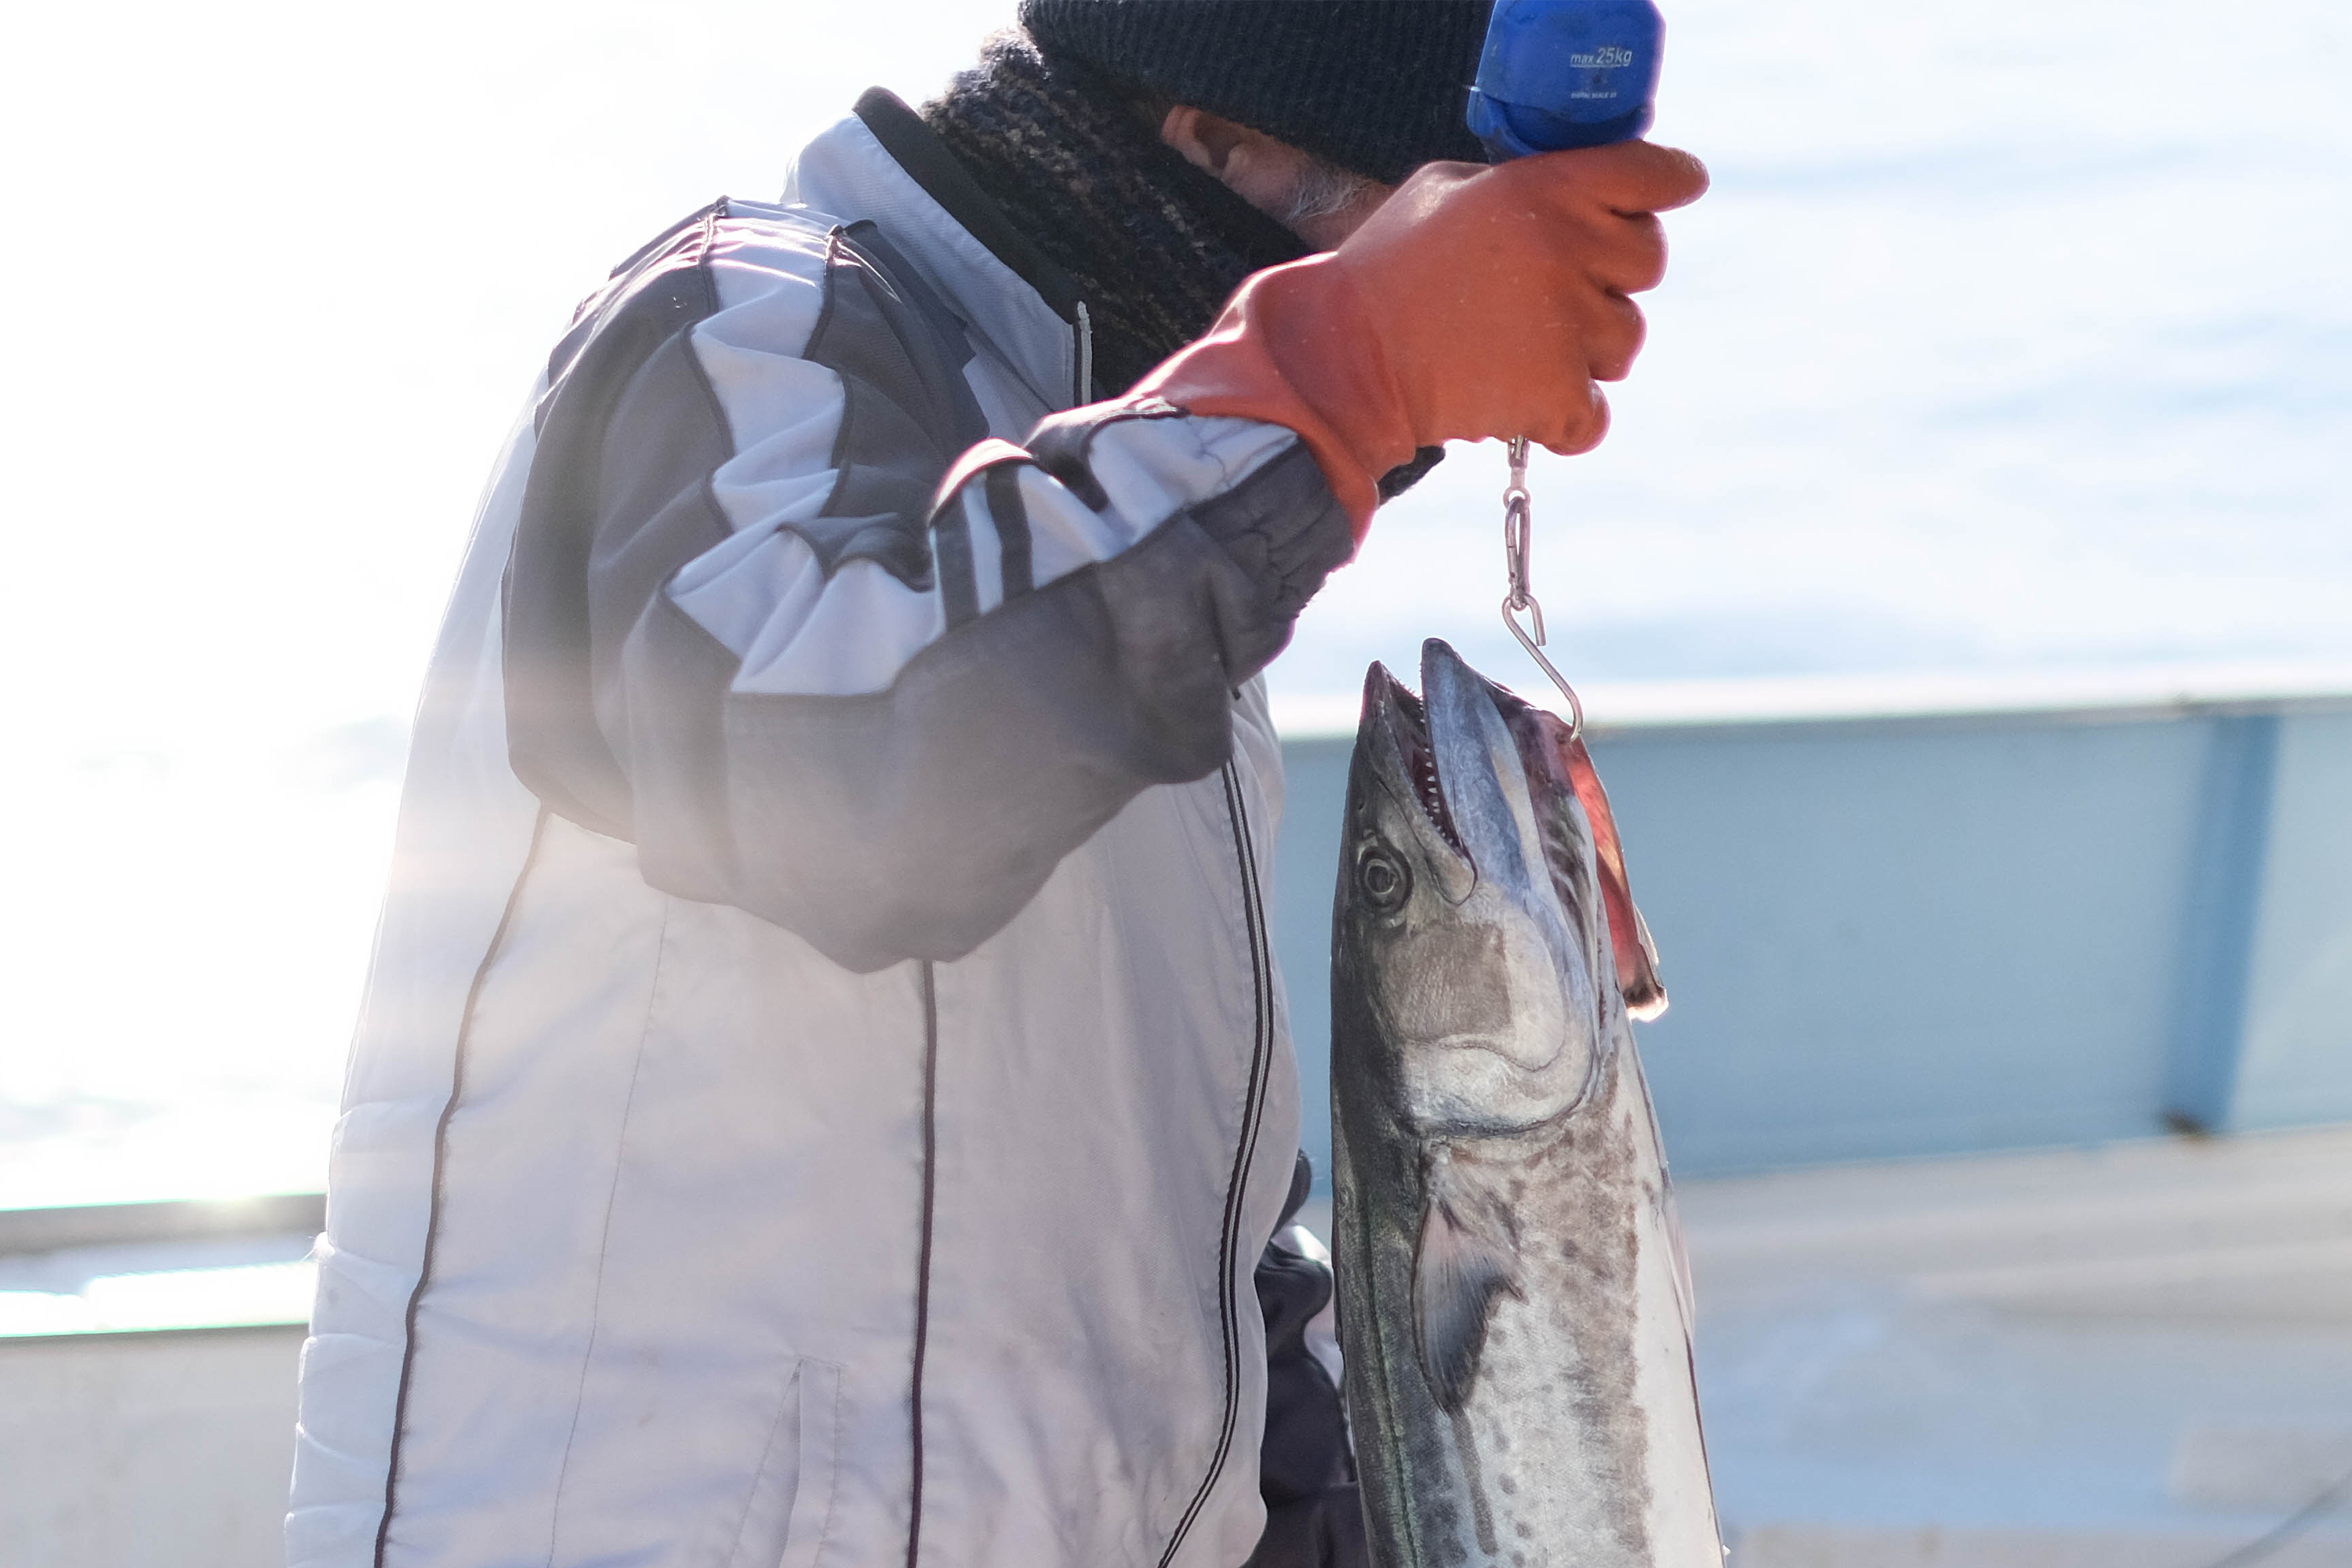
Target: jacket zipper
[[1244, 1153], [439, 1192]]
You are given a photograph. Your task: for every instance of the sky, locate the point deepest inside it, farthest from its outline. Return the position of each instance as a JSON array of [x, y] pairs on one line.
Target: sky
[[2010, 338]]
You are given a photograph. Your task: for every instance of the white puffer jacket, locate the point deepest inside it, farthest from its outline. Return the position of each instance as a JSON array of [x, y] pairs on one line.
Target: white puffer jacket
[[823, 1085]]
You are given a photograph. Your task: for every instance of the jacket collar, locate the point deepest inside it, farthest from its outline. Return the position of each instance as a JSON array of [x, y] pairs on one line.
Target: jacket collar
[[883, 163]]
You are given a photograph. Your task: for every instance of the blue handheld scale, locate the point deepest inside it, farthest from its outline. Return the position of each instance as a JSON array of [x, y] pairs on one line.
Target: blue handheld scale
[[1557, 74]]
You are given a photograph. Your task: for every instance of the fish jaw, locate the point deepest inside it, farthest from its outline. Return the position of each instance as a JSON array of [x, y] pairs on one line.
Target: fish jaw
[[1394, 787], [1483, 778]]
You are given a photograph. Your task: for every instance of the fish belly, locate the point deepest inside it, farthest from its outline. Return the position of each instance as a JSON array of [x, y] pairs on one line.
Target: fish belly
[[1579, 1443]]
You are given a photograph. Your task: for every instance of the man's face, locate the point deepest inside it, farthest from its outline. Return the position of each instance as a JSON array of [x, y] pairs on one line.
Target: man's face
[[1319, 204]]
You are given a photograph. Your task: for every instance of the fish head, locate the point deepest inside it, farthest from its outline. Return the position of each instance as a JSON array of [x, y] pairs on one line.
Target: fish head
[[1466, 941]]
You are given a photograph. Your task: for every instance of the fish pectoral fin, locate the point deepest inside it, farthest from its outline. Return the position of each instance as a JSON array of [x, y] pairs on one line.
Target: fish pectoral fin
[[1463, 1261]]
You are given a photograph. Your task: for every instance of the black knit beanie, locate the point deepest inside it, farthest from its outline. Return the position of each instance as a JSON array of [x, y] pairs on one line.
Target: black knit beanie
[[1374, 85]]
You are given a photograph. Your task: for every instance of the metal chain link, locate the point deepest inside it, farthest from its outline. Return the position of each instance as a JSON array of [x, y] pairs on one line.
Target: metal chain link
[[1518, 546]]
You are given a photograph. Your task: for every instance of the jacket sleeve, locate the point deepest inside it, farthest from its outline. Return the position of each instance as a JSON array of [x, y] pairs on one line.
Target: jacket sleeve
[[758, 626]]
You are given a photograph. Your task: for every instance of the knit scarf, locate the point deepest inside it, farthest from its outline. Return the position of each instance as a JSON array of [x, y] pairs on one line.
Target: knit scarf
[[1156, 246]]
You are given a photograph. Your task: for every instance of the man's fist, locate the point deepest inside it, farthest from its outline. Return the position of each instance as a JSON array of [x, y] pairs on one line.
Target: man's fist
[[1476, 302]]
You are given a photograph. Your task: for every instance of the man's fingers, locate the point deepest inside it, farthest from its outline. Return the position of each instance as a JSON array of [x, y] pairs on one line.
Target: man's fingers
[[1615, 338], [1626, 177], [1581, 424], [1644, 178], [1630, 254], [1674, 178]]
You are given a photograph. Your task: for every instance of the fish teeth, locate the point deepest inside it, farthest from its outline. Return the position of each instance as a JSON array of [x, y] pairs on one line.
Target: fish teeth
[[1432, 799]]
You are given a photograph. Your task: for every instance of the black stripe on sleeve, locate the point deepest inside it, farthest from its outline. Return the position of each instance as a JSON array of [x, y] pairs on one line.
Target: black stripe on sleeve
[[1010, 514], [952, 559]]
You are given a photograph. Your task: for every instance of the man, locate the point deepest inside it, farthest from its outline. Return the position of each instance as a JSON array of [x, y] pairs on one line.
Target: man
[[822, 1088]]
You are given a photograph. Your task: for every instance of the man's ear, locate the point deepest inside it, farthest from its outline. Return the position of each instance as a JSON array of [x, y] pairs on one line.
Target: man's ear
[[1203, 140]]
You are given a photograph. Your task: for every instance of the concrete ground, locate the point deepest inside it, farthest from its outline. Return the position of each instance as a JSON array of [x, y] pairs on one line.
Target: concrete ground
[[2138, 1356], [146, 1450]]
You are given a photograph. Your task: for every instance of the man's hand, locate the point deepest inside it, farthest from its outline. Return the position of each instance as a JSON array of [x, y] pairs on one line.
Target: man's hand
[[1476, 302], [1499, 296]]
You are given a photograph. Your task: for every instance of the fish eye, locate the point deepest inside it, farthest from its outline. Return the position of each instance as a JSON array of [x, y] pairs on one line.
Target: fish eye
[[1383, 880]]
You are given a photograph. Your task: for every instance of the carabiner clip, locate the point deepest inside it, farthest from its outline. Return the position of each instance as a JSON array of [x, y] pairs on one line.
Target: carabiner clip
[[1518, 544]]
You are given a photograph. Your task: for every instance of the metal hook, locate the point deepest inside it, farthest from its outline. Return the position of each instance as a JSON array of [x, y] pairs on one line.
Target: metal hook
[[1535, 651], [1518, 544]]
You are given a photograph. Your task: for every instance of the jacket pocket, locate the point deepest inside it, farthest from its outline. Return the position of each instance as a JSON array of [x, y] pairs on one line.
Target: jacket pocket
[[789, 1518]]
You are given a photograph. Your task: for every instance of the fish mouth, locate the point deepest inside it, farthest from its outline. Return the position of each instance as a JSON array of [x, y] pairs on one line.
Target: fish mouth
[[1402, 719], [1465, 751]]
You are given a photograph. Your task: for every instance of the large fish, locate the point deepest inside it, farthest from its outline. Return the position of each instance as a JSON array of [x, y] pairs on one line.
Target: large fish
[[1514, 1308]]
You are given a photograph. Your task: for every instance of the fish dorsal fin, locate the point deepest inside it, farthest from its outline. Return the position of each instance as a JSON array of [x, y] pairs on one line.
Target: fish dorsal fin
[[1466, 1257]]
